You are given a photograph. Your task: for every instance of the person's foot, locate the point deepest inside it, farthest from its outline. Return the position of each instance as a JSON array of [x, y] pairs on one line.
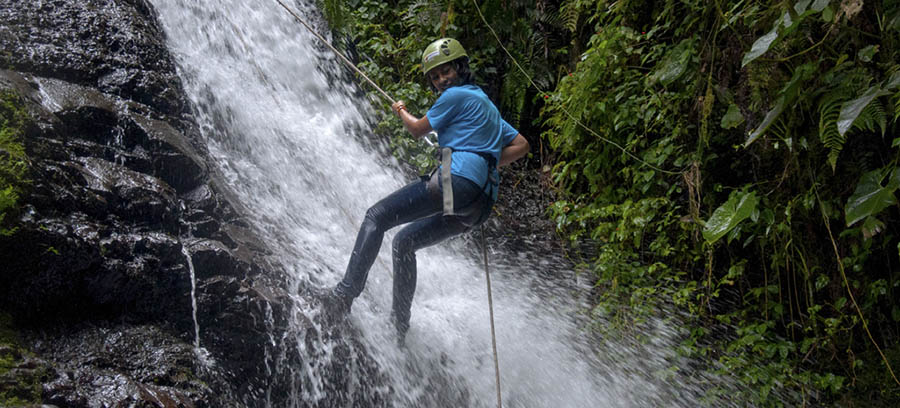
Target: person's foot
[[402, 328], [336, 307]]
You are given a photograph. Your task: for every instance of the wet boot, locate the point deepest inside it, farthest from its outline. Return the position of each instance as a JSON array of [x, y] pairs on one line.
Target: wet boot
[[335, 306], [402, 328]]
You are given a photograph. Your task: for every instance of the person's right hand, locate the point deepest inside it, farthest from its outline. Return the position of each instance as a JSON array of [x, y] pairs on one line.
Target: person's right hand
[[398, 106]]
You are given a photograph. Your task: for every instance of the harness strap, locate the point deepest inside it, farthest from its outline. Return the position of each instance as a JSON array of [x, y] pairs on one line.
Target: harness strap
[[447, 179]]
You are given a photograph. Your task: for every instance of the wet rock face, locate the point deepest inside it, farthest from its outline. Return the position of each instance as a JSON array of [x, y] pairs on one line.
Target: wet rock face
[[113, 46], [120, 214], [102, 222], [121, 211], [160, 369]]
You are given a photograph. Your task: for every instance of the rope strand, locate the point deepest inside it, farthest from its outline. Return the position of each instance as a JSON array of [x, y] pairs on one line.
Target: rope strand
[[339, 54], [487, 276], [566, 111]]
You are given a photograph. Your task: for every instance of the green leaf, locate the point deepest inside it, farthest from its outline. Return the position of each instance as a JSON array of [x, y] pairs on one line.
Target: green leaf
[[870, 196], [767, 121], [819, 5], [822, 281], [894, 23], [788, 94], [866, 54], [674, 64], [732, 118], [893, 81], [740, 206], [850, 110], [761, 45], [840, 303], [828, 14]]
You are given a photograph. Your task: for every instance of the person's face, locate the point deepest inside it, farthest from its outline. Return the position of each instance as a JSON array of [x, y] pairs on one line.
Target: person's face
[[443, 76]]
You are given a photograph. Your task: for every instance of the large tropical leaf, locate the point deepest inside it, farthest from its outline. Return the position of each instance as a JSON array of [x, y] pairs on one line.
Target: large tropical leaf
[[784, 23], [871, 196], [760, 46], [674, 64], [739, 206], [851, 109], [786, 98], [767, 121]]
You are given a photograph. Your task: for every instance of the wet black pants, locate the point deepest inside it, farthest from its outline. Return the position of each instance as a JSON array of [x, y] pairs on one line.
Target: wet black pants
[[420, 205]]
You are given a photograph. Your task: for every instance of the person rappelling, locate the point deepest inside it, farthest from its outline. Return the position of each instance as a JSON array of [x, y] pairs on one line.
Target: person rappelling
[[456, 197]]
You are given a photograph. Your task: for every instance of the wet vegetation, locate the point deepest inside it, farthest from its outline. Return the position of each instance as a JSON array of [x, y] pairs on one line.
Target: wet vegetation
[[16, 388], [735, 159], [13, 161]]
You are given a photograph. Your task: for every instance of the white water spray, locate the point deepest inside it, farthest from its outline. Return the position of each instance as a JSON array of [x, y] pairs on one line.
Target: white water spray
[[279, 131]]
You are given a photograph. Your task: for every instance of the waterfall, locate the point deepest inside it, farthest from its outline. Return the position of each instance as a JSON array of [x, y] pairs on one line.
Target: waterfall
[[294, 146]]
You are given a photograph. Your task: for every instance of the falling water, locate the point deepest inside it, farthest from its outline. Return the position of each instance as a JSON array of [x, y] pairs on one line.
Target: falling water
[[280, 130], [190, 262]]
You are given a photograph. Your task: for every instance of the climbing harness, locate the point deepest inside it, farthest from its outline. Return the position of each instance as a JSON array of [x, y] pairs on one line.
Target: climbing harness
[[446, 181]]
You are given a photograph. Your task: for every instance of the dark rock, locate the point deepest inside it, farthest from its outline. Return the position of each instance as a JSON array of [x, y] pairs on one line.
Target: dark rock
[[212, 258], [122, 366], [96, 275], [114, 46]]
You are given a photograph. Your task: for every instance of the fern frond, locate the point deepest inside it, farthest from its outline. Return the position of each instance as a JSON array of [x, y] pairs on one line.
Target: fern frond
[[872, 118], [568, 14], [896, 102], [829, 111]]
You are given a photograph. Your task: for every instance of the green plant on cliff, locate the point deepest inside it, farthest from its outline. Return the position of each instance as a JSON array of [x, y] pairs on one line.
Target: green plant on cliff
[[13, 161], [16, 388]]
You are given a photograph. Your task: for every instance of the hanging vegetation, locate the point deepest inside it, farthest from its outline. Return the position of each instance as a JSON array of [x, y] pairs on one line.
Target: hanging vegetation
[[735, 159]]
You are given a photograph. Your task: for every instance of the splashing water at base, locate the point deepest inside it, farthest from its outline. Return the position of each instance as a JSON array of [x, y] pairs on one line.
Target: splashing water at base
[[278, 128]]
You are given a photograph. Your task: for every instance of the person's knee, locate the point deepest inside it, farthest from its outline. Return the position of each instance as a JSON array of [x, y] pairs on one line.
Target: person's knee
[[403, 248], [374, 220]]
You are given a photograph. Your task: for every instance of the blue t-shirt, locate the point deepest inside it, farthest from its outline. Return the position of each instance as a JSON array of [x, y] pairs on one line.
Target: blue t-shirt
[[467, 121]]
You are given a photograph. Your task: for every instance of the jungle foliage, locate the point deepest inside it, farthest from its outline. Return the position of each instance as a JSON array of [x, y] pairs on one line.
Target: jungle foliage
[[737, 159], [13, 161]]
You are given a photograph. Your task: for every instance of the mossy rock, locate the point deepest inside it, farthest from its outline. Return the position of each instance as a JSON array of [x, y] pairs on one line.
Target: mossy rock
[[21, 373], [13, 161]]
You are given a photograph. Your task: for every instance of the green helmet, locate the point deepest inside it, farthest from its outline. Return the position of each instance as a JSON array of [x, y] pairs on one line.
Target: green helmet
[[441, 51]]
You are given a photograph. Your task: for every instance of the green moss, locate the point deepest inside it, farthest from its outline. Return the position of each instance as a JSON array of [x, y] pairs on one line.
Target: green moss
[[22, 387], [13, 160], [8, 336]]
